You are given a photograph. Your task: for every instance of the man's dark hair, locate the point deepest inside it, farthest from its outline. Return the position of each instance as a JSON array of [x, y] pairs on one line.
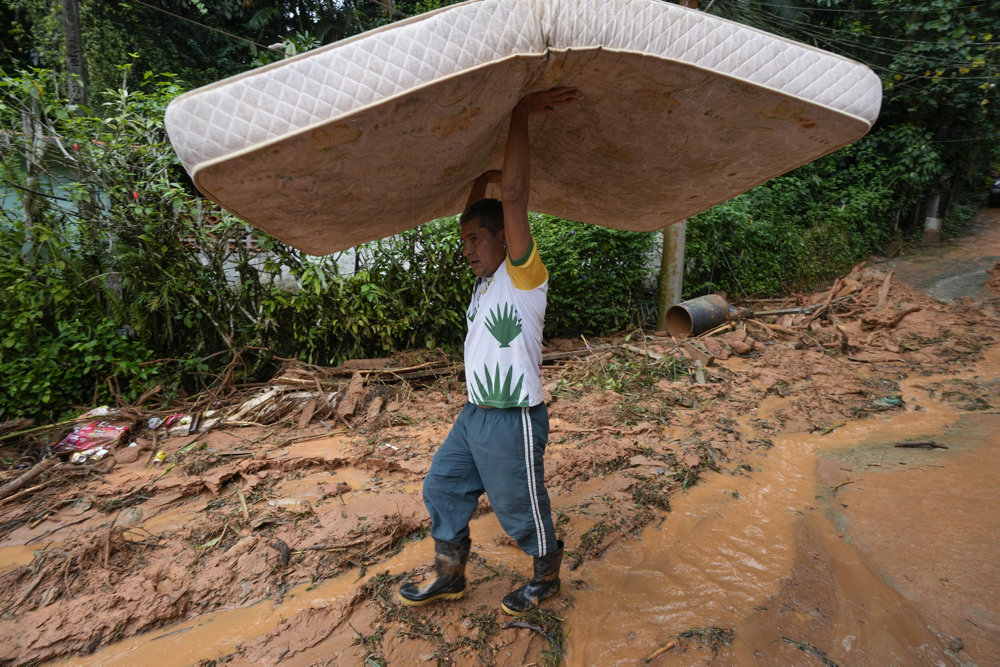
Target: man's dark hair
[[488, 211]]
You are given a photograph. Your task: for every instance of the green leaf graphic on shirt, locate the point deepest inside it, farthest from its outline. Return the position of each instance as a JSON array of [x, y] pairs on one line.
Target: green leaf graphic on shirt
[[504, 324], [492, 392]]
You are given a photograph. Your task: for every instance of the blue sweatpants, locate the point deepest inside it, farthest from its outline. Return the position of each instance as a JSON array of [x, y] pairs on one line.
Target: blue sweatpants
[[498, 451]]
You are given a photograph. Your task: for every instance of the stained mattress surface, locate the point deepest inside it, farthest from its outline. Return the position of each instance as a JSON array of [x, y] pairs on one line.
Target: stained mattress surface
[[370, 136]]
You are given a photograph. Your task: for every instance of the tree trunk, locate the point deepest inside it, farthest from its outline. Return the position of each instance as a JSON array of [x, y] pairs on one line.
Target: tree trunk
[[32, 168], [671, 271], [76, 63]]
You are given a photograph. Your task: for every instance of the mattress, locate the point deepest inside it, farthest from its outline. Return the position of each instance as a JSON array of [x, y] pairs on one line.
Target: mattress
[[367, 137]]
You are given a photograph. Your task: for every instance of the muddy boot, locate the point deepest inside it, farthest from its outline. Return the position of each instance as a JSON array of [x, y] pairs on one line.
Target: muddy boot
[[449, 584], [544, 585]]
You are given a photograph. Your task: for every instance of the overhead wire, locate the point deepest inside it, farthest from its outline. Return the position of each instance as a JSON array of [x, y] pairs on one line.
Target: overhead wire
[[835, 39], [201, 25], [387, 5], [835, 36], [887, 10]]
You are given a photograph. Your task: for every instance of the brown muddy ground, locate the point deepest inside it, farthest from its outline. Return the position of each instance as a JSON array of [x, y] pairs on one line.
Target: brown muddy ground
[[823, 494]]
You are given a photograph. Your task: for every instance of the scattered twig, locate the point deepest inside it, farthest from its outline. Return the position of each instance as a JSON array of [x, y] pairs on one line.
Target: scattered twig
[[833, 489], [37, 429], [24, 492], [809, 648], [837, 284], [883, 292], [534, 628], [107, 541], [660, 651], [243, 504], [60, 527], [921, 444]]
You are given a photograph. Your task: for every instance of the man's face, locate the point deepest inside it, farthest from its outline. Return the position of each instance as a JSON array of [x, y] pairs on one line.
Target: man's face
[[484, 251]]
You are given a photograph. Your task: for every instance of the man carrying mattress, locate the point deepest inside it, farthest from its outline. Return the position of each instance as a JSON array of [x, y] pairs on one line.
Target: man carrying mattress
[[498, 441]]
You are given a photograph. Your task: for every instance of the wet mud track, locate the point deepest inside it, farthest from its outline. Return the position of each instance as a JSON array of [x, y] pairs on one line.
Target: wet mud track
[[783, 511]]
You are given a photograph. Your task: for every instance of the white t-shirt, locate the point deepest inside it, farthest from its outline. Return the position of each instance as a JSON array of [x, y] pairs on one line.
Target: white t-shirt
[[503, 349]]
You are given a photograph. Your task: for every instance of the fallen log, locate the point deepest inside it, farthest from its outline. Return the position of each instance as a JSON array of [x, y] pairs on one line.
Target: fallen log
[[15, 485], [15, 425]]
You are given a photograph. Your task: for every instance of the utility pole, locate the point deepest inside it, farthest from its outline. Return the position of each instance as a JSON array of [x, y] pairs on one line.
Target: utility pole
[[672, 260], [76, 63], [671, 271]]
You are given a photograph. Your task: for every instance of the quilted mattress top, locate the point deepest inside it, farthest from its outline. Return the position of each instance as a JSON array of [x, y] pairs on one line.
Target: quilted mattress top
[[678, 111]]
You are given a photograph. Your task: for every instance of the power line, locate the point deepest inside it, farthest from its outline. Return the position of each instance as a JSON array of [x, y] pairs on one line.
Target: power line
[[201, 25], [900, 10], [833, 38]]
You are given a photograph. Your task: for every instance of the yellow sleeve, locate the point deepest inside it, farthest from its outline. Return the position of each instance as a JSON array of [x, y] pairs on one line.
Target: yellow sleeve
[[528, 272]]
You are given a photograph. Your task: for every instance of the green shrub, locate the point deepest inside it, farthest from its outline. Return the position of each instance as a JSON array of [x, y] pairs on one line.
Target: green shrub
[[790, 233], [596, 275]]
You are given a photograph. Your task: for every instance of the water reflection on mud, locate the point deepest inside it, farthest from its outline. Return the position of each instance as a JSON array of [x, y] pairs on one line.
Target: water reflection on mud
[[843, 543]]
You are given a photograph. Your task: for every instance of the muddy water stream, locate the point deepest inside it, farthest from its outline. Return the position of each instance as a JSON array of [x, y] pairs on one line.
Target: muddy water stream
[[732, 543], [842, 520], [215, 634]]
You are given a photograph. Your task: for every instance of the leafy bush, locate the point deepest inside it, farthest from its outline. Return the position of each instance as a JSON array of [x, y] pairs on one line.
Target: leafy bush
[[596, 275], [793, 231], [113, 277]]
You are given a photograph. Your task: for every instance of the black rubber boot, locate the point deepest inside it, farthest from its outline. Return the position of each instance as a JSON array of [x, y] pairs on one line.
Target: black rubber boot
[[544, 585], [449, 584]]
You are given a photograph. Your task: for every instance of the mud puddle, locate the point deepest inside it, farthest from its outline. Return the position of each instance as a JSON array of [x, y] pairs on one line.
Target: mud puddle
[[795, 551], [898, 532], [220, 633]]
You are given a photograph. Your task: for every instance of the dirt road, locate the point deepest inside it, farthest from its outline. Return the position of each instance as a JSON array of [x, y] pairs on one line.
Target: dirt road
[[823, 493]]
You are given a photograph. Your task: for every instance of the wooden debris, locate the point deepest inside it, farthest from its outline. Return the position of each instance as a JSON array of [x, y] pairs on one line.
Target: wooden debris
[[307, 413], [645, 352], [349, 401], [697, 352], [32, 473], [660, 651], [148, 395], [23, 492], [374, 408], [15, 425], [921, 444], [826, 304], [243, 504], [699, 372], [254, 403], [887, 322], [883, 292]]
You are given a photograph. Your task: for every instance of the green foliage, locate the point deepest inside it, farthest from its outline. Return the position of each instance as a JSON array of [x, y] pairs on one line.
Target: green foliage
[[596, 275], [113, 277], [799, 229], [939, 62]]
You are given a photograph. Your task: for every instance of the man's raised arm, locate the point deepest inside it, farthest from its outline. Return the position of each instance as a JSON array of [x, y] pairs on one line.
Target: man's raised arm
[[515, 179]]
